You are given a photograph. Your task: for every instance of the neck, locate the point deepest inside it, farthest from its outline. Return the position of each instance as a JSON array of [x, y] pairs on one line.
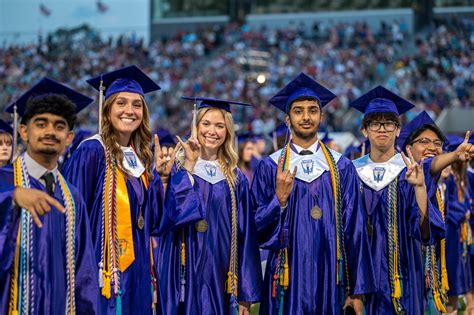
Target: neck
[[379, 155], [47, 161], [124, 139], [209, 155], [305, 143]]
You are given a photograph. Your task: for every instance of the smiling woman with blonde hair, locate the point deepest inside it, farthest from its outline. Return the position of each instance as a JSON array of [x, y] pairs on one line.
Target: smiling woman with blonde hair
[[113, 171], [209, 261]]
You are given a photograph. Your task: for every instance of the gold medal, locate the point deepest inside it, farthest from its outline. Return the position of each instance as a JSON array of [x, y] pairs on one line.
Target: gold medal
[[316, 213], [141, 222], [201, 226]]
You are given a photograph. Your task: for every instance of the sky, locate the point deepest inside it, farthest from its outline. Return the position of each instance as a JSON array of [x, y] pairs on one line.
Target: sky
[[22, 22]]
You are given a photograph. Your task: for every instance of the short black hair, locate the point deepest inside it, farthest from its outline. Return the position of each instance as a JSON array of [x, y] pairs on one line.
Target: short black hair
[[55, 104], [415, 134], [379, 116]]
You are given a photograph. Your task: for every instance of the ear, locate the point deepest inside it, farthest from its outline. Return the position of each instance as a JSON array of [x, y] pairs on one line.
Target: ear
[[364, 132], [69, 137], [398, 132], [288, 120], [23, 131]]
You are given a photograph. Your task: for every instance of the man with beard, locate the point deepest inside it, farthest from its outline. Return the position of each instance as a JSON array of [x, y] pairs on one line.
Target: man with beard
[[47, 263], [308, 215]]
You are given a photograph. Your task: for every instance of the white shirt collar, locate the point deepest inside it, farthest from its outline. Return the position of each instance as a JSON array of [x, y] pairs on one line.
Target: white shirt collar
[[36, 170], [313, 148]]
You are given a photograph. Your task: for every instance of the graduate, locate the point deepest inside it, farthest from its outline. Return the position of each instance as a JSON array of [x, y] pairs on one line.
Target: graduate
[[209, 260], [247, 149], [47, 263], [308, 215], [400, 213], [425, 141], [113, 172], [6, 143]]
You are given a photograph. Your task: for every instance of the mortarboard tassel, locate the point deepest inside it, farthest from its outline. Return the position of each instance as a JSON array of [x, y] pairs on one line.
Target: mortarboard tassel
[[15, 132], [101, 101]]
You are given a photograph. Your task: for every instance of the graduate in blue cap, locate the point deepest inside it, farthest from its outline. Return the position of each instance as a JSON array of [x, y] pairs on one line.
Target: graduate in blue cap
[[6, 143], [46, 250], [308, 215], [401, 215], [210, 262], [113, 171]]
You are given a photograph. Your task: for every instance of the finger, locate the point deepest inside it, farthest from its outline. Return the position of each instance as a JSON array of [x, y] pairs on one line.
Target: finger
[[410, 155], [44, 206], [467, 136], [280, 164], [55, 204], [157, 145], [36, 219], [180, 141], [39, 208], [405, 159]]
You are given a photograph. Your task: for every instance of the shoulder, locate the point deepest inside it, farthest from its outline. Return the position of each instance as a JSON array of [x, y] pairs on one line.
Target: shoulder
[[6, 177]]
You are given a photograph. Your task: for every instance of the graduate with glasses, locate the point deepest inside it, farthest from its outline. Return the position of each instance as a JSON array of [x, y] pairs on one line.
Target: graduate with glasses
[[47, 263], [395, 197], [209, 258], [309, 215]]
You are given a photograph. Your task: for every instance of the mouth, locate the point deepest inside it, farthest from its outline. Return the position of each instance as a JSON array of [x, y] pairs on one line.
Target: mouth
[[429, 155], [49, 141], [306, 125], [211, 140], [127, 120]]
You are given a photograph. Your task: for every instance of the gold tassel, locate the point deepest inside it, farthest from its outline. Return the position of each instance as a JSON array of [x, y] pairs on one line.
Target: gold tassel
[[106, 289], [444, 270], [439, 304], [398, 290], [286, 272], [229, 283], [183, 254]]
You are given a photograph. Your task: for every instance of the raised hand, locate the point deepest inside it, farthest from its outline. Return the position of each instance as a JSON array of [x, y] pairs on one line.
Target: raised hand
[[164, 158], [192, 151], [284, 183], [414, 174], [37, 202], [465, 151], [355, 302]]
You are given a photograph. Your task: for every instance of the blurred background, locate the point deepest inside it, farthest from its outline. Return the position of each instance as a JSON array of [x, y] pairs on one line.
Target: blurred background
[[246, 50]]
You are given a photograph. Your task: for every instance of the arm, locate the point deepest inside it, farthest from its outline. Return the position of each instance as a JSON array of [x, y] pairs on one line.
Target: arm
[[250, 281]]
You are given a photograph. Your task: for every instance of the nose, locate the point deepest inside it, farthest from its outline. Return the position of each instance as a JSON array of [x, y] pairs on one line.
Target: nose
[[306, 115], [128, 109]]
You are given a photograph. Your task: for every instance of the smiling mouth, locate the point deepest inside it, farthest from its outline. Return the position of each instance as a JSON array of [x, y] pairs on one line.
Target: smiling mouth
[[127, 120]]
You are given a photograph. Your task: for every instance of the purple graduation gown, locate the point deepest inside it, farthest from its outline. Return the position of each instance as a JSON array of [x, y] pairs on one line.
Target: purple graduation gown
[[457, 264], [50, 284], [411, 258], [86, 170], [311, 243], [207, 253]]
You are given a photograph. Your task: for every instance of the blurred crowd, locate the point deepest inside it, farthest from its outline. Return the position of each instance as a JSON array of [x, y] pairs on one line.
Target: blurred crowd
[[434, 70]]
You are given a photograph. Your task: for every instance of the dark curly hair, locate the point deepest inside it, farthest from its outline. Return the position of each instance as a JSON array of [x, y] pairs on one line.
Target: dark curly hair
[[55, 104]]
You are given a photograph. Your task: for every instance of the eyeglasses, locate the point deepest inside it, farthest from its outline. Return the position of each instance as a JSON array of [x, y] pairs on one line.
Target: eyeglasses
[[425, 142], [387, 125]]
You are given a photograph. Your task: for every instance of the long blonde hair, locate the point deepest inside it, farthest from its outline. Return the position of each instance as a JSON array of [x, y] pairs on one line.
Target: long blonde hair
[[140, 139]]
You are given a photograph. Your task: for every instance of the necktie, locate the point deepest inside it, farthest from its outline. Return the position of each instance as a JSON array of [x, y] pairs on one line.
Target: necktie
[[49, 181], [306, 152]]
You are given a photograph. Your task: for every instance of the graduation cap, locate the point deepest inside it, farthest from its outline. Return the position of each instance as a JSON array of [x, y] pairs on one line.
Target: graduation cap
[[326, 139], [79, 136], [421, 120], [167, 139], [128, 79], [47, 87], [301, 87], [351, 151], [453, 141], [381, 100], [213, 102], [4, 127]]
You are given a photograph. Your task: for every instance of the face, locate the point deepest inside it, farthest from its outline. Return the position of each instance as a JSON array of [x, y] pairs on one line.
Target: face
[[212, 130], [5, 148], [260, 146], [426, 145], [248, 151], [304, 118], [126, 113], [46, 134], [382, 133]]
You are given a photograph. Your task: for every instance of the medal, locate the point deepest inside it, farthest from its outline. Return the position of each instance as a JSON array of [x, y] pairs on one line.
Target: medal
[[316, 213], [141, 221], [201, 226]]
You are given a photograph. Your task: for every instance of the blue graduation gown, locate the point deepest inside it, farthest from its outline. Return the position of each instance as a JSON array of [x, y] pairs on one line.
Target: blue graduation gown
[[86, 170], [207, 253], [457, 260], [311, 243], [410, 240], [49, 252]]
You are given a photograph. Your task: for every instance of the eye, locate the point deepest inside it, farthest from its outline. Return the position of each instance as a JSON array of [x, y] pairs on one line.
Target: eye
[[40, 124], [60, 127], [137, 105]]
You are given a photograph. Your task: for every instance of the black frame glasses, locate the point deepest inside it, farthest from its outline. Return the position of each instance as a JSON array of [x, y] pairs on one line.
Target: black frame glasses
[[425, 142], [388, 125]]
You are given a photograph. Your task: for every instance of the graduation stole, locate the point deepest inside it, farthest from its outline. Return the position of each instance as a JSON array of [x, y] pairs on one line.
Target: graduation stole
[[22, 293], [438, 287], [281, 276]]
